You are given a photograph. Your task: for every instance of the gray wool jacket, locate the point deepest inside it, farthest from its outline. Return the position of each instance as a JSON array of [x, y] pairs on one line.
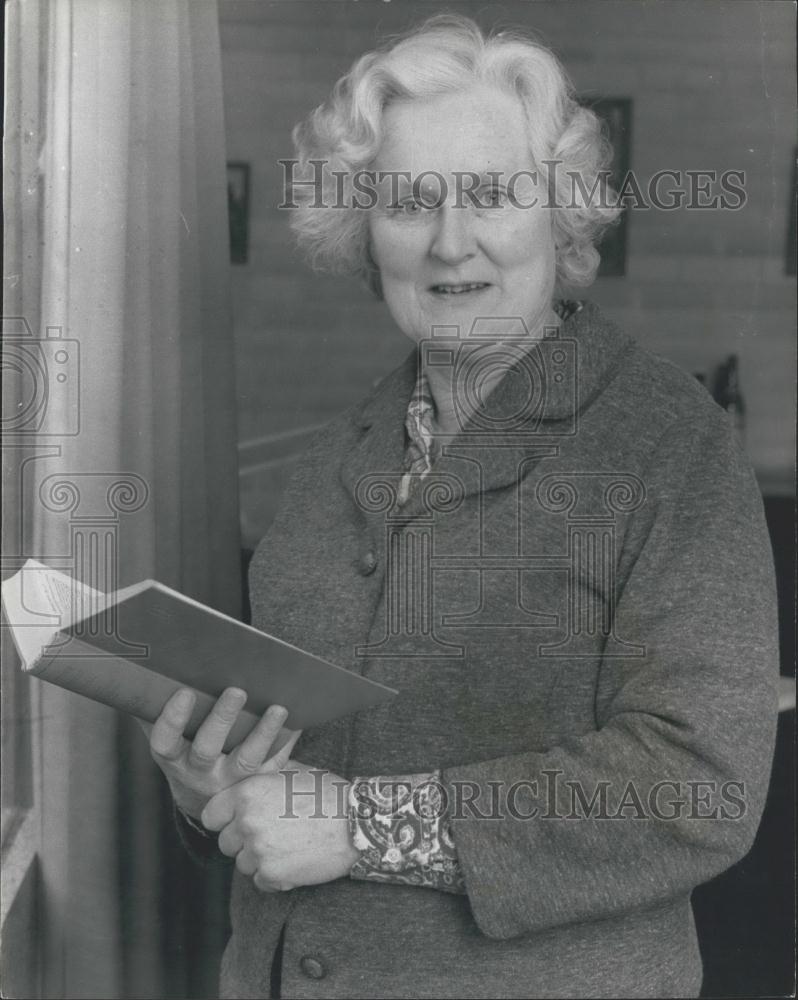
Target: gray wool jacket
[[578, 610]]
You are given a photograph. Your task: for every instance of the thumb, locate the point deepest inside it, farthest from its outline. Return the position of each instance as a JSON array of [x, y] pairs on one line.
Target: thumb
[[219, 810]]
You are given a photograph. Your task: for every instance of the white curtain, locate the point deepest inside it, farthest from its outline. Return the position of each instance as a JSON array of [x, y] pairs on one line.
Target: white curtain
[[124, 465]]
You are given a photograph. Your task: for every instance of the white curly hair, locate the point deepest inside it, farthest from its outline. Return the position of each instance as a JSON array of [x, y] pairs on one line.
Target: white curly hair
[[448, 53]]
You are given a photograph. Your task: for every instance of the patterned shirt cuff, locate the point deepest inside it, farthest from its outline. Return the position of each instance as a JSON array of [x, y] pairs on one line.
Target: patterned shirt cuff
[[401, 827]]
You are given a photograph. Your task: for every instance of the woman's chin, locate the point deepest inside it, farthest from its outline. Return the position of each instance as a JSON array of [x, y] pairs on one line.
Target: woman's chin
[[461, 309]]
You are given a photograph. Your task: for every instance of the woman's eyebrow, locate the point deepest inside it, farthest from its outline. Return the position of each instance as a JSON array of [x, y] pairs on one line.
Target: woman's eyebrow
[[429, 181], [469, 178]]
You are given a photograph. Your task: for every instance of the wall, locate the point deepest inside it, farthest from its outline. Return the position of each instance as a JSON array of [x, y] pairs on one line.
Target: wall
[[713, 87]]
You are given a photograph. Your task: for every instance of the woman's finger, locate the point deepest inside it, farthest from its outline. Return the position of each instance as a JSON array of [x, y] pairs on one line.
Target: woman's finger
[[246, 863], [266, 885], [283, 755], [211, 735], [230, 842], [166, 737], [253, 751]]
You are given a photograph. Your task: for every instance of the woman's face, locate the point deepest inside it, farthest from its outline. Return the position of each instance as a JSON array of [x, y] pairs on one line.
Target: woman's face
[[451, 264]]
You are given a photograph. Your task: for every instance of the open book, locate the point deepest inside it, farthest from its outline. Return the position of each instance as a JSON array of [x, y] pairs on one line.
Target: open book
[[132, 649]]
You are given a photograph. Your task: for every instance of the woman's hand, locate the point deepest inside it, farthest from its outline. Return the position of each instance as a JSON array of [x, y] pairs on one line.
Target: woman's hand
[[286, 829], [198, 769]]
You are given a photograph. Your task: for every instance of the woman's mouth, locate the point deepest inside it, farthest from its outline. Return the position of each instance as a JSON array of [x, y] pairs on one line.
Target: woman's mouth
[[459, 289]]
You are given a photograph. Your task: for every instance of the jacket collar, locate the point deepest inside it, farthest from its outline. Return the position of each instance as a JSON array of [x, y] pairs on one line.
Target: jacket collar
[[536, 406]]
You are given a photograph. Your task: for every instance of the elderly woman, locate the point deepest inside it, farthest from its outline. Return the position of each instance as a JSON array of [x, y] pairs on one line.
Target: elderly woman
[[550, 543]]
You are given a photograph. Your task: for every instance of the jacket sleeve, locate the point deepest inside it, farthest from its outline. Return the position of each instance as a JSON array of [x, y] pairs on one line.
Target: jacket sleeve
[[678, 765]]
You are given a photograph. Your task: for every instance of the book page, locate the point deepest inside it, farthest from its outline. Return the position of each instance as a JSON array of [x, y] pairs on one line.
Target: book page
[[39, 602], [59, 591]]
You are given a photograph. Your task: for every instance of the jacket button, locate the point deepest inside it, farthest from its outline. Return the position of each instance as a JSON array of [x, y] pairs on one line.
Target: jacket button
[[312, 967], [368, 564]]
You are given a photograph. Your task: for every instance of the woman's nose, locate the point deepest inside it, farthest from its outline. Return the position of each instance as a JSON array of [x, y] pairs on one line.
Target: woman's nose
[[454, 239]]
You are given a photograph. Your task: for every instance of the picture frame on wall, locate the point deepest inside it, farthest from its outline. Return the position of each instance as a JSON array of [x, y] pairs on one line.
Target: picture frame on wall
[[238, 210], [616, 114]]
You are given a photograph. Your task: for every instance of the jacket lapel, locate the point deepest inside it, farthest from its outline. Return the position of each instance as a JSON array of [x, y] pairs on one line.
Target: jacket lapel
[[372, 468], [532, 412]]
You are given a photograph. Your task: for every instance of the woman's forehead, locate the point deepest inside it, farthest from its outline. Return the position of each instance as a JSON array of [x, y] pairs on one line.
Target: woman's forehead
[[480, 129]]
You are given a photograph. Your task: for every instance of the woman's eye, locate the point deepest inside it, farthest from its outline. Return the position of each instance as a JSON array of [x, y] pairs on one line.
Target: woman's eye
[[410, 206], [492, 197]]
